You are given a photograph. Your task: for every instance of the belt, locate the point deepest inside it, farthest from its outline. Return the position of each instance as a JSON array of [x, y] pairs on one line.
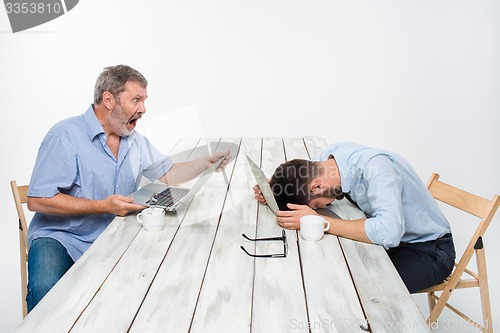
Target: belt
[[446, 236]]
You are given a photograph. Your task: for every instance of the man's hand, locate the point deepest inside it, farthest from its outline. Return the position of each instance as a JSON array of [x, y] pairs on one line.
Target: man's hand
[[182, 172], [212, 159], [258, 195], [120, 205], [291, 219]]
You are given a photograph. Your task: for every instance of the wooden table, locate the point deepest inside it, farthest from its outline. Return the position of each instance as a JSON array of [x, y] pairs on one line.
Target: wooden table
[[193, 276]]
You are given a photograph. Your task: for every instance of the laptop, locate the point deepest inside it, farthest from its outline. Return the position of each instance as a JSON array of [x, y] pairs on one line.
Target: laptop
[[261, 180], [171, 197]]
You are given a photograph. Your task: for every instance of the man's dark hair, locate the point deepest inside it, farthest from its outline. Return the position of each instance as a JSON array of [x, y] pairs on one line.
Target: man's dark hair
[[290, 182], [114, 78]]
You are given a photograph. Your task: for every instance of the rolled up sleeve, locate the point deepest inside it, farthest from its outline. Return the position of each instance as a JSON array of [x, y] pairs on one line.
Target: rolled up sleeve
[[386, 224], [55, 168]]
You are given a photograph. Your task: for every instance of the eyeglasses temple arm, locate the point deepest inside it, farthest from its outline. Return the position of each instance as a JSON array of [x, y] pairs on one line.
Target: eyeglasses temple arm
[[279, 255], [262, 239]]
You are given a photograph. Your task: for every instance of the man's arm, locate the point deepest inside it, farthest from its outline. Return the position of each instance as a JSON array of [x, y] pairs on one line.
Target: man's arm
[[63, 204], [384, 191], [352, 229], [182, 172]]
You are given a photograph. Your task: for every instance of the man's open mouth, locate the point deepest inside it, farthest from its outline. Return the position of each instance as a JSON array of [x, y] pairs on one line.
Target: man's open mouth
[[133, 120]]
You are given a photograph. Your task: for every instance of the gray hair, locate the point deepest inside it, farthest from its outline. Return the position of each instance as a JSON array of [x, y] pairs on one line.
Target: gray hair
[[114, 78]]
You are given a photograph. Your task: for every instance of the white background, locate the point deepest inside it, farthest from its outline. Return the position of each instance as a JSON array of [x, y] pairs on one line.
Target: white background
[[421, 78]]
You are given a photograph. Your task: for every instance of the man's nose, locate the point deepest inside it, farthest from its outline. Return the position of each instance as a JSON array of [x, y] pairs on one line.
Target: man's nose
[[142, 108]]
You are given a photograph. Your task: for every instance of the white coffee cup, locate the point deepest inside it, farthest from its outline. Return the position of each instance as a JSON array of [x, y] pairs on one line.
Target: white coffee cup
[[152, 218], [312, 227]]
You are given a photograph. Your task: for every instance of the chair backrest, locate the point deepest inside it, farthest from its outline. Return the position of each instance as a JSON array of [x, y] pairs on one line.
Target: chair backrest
[[20, 198], [478, 206]]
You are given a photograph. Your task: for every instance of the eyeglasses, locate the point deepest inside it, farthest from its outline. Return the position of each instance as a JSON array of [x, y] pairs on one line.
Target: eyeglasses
[[275, 255]]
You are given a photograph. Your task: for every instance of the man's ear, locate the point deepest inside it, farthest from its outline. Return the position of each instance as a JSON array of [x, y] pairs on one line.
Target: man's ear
[[315, 187], [108, 100]]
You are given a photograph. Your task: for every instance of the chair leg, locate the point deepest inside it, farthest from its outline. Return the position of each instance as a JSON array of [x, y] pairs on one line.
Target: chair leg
[[430, 300], [483, 290], [432, 303], [24, 275], [438, 307]]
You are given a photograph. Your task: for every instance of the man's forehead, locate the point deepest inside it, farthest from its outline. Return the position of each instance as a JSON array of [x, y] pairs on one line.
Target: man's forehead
[[135, 88]]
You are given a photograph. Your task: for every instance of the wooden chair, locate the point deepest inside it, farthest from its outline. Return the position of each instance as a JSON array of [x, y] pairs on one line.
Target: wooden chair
[[20, 198], [485, 210]]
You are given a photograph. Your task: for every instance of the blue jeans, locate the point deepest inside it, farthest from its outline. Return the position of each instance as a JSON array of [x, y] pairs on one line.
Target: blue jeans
[[48, 260]]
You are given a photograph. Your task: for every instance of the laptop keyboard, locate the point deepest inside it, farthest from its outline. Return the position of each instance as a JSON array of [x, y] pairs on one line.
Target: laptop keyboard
[[167, 197]]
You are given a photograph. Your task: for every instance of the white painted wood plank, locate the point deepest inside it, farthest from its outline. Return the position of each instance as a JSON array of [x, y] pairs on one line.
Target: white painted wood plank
[[115, 305], [171, 300], [279, 300], [206, 146], [184, 148], [333, 303], [387, 303], [61, 307], [133, 274], [314, 145], [225, 301]]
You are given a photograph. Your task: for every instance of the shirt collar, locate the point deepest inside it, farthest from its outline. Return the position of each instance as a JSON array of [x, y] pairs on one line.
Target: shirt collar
[[345, 176], [94, 127], [343, 153]]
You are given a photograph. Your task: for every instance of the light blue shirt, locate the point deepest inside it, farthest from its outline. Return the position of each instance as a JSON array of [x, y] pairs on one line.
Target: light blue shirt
[[74, 159], [398, 206]]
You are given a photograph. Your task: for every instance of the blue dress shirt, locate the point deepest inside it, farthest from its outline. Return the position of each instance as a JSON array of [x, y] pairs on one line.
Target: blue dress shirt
[[398, 206], [74, 159]]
